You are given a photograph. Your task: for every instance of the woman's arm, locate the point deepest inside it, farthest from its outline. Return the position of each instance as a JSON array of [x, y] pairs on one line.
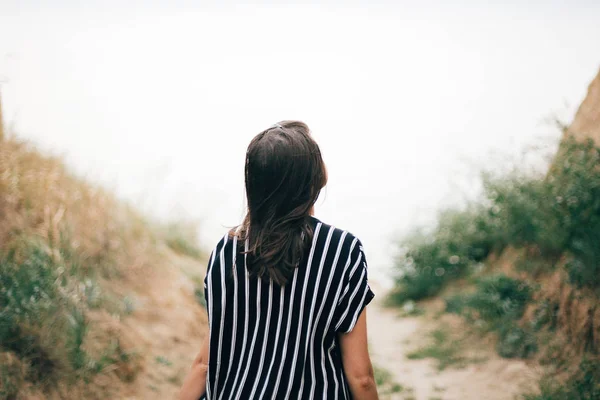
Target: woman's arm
[[194, 384], [356, 360]]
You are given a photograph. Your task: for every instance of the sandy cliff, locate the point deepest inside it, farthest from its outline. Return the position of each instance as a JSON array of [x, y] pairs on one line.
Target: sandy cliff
[[586, 123]]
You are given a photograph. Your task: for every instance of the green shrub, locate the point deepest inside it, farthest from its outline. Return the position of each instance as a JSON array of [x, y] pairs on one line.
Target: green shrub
[[385, 382], [499, 301], [458, 243], [456, 304], [514, 341], [575, 183], [29, 296], [522, 213], [78, 329], [496, 299], [42, 320]]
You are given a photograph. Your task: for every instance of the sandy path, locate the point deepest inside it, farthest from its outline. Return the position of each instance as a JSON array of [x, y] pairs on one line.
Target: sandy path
[[391, 337], [165, 329]]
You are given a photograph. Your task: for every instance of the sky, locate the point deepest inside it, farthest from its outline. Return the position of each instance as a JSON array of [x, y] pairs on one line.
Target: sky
[[158, 100]]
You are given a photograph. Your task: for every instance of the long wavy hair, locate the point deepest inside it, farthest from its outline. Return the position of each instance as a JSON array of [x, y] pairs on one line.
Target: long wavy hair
[[284, 175]]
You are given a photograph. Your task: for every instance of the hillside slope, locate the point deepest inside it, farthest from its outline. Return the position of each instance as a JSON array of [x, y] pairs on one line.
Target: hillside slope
[[96, 302], [522, 262]]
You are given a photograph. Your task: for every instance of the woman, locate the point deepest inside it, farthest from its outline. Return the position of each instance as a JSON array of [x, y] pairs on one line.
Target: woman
[[285, 292]]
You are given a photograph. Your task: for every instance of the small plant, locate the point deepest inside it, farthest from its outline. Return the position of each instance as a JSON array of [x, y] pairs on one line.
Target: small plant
[[175, 379], [125, 362], [411, 309], [76, 335], [163, 361], [385, 382], [514, 341], [442, 348]]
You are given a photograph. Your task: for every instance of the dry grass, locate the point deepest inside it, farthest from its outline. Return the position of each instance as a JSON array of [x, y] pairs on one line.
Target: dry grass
[[40, 198], [76, 239]]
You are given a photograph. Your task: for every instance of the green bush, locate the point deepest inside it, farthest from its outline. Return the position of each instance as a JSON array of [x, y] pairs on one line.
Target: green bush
[[497, 298], [458, 243], [522, 214], [386, 385], [42, 321], [499, 302], [29, 296], [575, 184], [514, 341]]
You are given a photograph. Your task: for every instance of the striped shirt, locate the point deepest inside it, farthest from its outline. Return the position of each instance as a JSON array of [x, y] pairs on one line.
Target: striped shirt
[[281, 342]]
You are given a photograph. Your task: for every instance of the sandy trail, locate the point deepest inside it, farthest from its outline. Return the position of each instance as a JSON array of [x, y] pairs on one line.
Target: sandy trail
[[168, 325], [391, 337], [165, 329]]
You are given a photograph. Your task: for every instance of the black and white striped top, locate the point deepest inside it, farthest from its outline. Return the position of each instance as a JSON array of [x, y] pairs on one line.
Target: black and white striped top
[[281, 342]]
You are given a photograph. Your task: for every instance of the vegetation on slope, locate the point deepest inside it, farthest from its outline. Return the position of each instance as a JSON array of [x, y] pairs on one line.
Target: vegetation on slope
[[497, 304], [553, 222], [555, 215], [64, 244]]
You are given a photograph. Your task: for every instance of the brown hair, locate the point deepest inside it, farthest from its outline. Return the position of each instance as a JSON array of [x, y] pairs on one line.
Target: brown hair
[[284, 175]]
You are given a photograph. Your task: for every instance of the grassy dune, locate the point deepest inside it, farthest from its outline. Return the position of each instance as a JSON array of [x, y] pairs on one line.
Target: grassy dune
[[72, 258]]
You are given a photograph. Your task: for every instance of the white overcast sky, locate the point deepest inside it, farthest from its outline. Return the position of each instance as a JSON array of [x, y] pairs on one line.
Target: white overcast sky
[[159, 100]]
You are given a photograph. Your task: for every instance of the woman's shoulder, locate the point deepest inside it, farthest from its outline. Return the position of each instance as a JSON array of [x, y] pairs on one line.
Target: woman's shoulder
[[337, 232], [225, 242]]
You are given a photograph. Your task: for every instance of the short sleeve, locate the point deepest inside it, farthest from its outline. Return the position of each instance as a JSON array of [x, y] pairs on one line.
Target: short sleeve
[[213, 262], [205, 291], [355, 294]]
